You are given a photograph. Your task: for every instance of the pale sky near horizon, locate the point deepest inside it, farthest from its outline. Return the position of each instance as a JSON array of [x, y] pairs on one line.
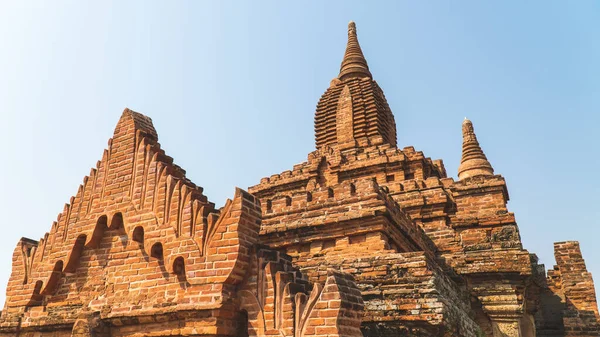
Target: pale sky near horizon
[[232, 88]]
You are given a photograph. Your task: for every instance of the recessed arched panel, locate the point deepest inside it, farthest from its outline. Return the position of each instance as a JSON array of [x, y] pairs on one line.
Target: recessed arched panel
[[269, 206], [36, 297], [242, 324], [37, 289], [54, 278], [255, 320], [58, 266], [75, 255], [179, 268], [117, 221], [101, 226], [157, 251], [138, 234]]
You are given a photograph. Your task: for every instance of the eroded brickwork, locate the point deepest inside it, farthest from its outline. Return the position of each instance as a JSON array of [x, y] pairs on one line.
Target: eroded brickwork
[[140, 251], [569, 306], [433, 256], [361, 239]]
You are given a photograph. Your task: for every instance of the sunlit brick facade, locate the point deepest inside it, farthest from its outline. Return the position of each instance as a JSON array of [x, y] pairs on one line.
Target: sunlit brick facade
[[362, 239]]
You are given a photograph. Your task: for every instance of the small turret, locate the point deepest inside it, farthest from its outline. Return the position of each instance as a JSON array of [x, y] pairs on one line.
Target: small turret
[[473, 162], [354, 63]]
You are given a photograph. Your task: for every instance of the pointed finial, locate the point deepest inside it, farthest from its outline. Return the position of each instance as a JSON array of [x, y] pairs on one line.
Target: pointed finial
[[354, 63], [473, 161]]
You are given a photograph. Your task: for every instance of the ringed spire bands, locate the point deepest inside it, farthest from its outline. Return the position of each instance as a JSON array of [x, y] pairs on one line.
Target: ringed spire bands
[[354, 63], [473, 161], [353, 112]]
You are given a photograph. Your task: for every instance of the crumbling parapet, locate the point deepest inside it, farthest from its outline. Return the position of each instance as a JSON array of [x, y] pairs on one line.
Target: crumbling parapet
[[567, 299], [577, 282]]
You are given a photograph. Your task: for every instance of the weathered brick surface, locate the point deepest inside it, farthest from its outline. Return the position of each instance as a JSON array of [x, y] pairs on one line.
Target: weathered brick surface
[[275, 290], [363, 238], [360, 198], [354, 110], [570, 299], [404, 293], [140, 251]]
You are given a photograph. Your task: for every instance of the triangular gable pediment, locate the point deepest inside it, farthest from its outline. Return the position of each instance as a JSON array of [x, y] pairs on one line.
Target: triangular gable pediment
[[136, 209]]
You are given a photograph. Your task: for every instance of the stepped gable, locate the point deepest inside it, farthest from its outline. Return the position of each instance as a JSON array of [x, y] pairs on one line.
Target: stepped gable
[[140, 249], [136, 208], [354, 111]]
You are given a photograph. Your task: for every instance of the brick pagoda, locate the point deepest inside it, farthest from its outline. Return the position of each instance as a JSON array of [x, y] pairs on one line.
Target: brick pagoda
[[361, 239]]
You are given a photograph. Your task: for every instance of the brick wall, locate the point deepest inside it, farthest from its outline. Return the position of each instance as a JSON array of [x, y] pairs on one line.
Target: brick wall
[[140, 250], [569, 306]]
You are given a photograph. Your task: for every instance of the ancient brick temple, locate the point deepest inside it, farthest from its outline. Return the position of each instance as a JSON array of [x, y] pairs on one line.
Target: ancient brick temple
[[361, 239]]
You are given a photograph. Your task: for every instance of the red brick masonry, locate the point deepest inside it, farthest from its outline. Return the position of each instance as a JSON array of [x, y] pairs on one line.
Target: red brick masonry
[[361, 239]]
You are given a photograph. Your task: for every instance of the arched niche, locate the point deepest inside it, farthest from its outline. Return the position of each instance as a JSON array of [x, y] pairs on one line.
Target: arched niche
[[99, 229], [157, 251], [117, 221], [138, 234], [52, 283], [75, 255]]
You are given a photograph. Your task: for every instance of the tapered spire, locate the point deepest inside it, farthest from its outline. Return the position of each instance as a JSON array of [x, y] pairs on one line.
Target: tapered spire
[[473, 162], [353, 111], [354, 63]]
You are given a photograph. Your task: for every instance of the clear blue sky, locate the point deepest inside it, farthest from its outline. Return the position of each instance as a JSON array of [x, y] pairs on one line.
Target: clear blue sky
[[232, 88]]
